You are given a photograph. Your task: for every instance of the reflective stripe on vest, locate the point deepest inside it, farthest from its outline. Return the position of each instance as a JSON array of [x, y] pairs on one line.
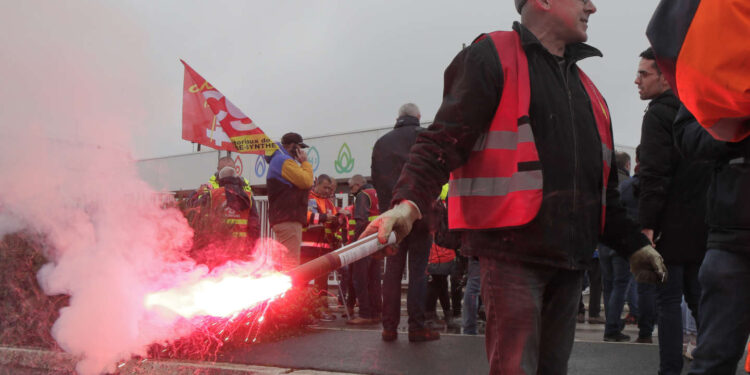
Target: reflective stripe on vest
[[501, 184], [237, 221], [323, 245]]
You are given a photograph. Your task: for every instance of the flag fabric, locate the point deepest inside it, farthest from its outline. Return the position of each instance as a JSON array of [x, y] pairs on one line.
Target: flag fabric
[[209, 118], [701, 47]]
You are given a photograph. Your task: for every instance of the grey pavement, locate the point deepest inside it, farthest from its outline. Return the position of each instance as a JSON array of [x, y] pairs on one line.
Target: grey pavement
[[334, 348]]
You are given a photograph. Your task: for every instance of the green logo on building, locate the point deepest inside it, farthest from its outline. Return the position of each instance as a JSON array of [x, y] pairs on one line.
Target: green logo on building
[[345, 161]]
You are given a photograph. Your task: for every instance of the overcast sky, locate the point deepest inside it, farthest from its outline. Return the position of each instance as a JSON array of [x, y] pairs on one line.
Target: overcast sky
[[314, 67]]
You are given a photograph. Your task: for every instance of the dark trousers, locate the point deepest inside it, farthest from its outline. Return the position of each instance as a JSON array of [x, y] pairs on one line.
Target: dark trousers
[[348, 297], [456, 278], [367, 275], [417, 246], [724, 312], [531, 316], [682, 280], [595, 290], [307, 254], [615, 279], [646, 309], [437, 289]]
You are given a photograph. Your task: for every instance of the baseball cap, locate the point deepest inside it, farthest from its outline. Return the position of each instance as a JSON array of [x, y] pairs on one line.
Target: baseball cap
[[293, 138]]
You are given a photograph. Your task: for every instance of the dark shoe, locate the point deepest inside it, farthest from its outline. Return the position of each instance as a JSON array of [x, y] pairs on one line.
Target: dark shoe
[[388, 335], [644, 340], [360, 321], [581, 318], [424, 334], [617, 337], [597, 320]]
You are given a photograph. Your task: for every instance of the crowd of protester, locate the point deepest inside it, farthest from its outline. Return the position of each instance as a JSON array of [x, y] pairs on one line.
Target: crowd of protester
[[535, 203]]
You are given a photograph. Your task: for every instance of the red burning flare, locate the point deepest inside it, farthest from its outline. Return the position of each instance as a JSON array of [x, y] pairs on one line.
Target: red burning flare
[[224, 296]]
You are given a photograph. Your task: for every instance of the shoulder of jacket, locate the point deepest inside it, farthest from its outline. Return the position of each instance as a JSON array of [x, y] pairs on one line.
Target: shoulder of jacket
[[662, 112]]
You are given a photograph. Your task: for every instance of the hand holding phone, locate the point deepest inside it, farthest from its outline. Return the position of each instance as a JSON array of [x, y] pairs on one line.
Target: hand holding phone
[[300, 154]]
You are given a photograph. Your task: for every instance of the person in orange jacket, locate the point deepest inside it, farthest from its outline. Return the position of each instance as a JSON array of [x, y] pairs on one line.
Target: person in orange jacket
[[319, 236]]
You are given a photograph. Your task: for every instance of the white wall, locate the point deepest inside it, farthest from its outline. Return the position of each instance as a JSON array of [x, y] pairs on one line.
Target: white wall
[[328, 154]]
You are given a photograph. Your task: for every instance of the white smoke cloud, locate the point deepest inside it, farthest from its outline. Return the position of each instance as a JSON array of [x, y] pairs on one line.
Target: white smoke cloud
[[71, 100]]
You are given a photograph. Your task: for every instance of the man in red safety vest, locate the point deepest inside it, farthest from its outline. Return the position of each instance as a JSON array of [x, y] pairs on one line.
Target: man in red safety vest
[[320, 235], [527, 141], [227, 224], [367, 273]]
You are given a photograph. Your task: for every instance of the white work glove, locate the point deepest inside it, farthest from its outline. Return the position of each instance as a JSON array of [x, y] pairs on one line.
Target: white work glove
[[647, 266], [398, 219]]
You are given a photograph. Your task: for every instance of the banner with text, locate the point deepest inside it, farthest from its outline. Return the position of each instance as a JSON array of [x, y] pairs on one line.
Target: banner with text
[[209, 118]]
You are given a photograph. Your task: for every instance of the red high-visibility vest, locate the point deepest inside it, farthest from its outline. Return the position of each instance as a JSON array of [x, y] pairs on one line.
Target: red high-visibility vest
[[372, 214], [317, 233], [236, 220], [500, 185]]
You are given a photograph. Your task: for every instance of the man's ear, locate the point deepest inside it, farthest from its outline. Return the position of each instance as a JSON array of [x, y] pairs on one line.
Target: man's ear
[[663, 81], [539, 4]]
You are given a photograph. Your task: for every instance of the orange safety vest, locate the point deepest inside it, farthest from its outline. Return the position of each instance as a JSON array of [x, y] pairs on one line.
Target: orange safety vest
[[236, 220], [747, 360], [501, 184], [372, 214], [317, 233]]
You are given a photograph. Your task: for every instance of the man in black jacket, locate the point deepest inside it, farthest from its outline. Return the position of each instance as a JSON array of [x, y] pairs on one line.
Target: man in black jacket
[[724, 310], [531, 274], [367, 273], [388, 157], [671, 209]]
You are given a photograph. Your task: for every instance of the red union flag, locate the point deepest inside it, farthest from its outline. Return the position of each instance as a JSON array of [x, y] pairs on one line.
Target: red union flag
[[209, 118]]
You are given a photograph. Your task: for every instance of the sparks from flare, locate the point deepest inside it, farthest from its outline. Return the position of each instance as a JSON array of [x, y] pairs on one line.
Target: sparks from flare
[[224, 296]]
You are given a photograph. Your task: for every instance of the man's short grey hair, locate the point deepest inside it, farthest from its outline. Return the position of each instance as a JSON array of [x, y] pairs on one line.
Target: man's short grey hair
[[357, 179], [409, 109]]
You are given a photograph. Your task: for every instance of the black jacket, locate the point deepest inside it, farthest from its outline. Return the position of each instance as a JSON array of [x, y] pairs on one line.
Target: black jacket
[[388, 157], [567, 227], [728, 208], [629, 192], [287, 202], [361, 212], [673, 189]]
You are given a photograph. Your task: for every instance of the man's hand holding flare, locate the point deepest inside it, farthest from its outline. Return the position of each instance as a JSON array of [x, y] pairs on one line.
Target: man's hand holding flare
[[398, 219]]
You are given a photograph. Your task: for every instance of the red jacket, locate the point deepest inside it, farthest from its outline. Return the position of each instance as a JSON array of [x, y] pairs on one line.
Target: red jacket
[[439, 254]]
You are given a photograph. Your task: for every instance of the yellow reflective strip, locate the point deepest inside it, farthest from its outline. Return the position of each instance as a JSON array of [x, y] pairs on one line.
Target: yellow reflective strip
[[371, 218], [239, 234], [236, 221], [315, 244], [352, 222]]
